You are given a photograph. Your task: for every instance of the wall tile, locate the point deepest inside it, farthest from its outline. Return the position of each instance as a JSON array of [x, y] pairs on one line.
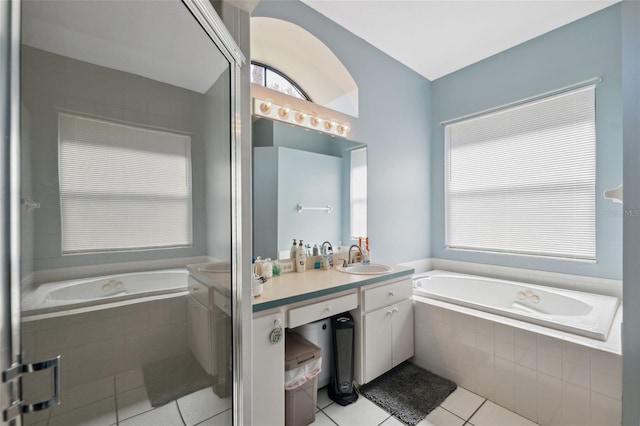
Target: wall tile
[[549, 346], [525, 339], [504, 381], [575, 399], [526, 393], [606, 384], [576, 354], [504, 350], [576, 374], [504, 333], [549, 400], [605, 411], [549, 365]]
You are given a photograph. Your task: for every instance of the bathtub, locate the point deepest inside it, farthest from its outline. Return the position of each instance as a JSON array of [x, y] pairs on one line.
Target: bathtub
[[584, 314], [108, 289]]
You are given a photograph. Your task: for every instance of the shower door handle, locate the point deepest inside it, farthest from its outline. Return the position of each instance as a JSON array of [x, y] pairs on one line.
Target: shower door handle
[[19, 407]]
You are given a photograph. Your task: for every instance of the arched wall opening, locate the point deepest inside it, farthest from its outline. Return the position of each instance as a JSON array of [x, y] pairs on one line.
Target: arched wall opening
[[306, 60]]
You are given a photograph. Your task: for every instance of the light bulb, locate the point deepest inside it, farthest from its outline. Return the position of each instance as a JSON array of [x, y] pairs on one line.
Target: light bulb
[[315, 121], [283, 112], [328, 125], [265, 107], [342, 128], [300, 116]]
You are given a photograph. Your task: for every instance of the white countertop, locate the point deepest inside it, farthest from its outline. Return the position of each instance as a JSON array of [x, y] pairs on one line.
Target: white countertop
[[298, 286]]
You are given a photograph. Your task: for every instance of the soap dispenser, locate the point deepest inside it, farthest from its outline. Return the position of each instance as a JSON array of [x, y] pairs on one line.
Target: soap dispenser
[[301, 258], [293, 251]]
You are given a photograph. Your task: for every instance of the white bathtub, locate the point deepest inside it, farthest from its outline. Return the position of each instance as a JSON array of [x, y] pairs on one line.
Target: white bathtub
[[585, 314], [80, 293]]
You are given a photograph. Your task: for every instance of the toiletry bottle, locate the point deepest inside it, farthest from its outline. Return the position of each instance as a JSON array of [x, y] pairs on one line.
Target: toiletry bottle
[[366, 254], [276, 268], [293, 251], [330, 256], [301, 258], [315, 250], [267, 268], [259, 263]]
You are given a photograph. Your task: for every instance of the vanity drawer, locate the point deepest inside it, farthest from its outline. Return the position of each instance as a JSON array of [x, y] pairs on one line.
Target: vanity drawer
[[320, 310], [222, 302], [198, 291], [387, 294]]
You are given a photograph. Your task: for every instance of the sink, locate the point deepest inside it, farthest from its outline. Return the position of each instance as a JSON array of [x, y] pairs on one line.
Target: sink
[[370, 269]]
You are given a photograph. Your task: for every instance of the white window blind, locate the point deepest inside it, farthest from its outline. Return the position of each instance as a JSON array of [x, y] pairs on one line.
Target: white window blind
[[522, 180], [122, 187], [359, 193]]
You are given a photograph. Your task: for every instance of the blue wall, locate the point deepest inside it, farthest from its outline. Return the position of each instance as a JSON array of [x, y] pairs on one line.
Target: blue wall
[[394, 123], [590, 47]]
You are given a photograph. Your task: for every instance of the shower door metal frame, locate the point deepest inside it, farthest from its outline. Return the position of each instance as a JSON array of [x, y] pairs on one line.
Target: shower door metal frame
[[215, 28], [10, 343]]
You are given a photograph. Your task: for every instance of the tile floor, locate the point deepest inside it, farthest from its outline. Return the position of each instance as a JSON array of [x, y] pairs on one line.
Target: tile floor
[[460, 408], [122, 400]]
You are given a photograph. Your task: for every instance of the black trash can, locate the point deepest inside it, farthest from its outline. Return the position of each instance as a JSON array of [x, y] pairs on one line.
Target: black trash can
[[341, 389]]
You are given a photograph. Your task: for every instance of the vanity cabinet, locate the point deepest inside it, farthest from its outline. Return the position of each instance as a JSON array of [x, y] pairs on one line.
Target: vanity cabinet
[[387, 328], [267, 371], [200, 335]]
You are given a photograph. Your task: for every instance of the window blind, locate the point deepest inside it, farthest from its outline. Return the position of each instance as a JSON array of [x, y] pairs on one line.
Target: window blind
[[122, 187], [359, 193], [522, 180]]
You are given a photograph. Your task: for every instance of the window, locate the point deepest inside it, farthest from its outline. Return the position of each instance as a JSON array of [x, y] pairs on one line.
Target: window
[[358, 193], [522, 180], [122, 187], [271, 78]]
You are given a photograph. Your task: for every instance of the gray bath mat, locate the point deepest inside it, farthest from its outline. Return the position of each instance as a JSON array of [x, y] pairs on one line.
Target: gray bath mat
[[408, 392], [172, 378]]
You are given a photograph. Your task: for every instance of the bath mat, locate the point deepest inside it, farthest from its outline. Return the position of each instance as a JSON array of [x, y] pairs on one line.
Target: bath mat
[[408, 392], [173, 378]]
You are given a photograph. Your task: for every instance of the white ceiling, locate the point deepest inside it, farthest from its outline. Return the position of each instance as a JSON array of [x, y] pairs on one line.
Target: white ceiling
[[438, 37], [158, 40]]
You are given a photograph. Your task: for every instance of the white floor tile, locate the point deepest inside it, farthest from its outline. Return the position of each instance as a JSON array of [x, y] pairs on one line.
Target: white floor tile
[[202, 405], [491, 414], [323, 398], [361, 413], [223, 419], [129, 380], [133, 402], [392, 421], [101, 413], [322, 420], [462, 403], [167, 415], [441, 417]]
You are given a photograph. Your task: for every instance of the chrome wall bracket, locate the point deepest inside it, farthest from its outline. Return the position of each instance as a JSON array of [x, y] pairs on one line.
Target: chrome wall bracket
[[19, 407]]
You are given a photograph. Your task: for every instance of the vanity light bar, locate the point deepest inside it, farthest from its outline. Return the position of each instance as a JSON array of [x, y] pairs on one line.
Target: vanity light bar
[[289, 115]]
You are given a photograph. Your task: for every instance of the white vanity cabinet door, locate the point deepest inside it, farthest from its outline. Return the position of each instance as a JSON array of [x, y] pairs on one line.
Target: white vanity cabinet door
[[267, 372], [401, 332], [200, 335], [377, 343], [388, 338]]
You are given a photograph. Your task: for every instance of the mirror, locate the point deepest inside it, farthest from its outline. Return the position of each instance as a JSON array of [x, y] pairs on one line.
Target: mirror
[[307, 185]]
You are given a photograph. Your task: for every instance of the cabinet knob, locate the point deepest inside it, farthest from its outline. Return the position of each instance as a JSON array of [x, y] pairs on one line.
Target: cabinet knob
[[395, 310], [195, 289], [392, 293], [327, 308], [389, 312]]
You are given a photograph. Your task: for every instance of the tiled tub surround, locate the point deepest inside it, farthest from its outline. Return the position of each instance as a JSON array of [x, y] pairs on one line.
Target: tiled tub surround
[[547, 376], [585, 314], [102, 343]]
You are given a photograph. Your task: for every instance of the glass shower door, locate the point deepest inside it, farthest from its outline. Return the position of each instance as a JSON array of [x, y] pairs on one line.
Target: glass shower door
[[126, 238]]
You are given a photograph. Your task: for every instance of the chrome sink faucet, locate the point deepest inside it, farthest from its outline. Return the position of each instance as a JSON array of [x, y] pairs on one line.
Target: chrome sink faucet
[[351, 248]]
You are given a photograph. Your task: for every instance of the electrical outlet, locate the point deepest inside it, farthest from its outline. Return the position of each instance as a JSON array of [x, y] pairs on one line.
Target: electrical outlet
[[287, 266]]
